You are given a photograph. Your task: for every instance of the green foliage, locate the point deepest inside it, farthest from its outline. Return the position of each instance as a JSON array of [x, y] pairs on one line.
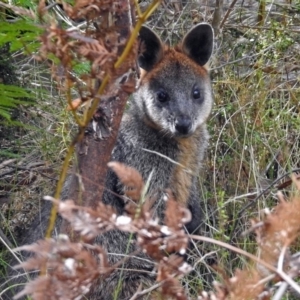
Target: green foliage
[[20, 34], [82, 68], [11, 97], [9, 154], [25, 3]]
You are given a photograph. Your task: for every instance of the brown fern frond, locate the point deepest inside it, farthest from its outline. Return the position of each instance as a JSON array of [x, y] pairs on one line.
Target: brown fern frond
[[170, 269], [85, 220], [158, 240], [245, 284], [130, 178], [71, 269], [279, 229], [176, 215]]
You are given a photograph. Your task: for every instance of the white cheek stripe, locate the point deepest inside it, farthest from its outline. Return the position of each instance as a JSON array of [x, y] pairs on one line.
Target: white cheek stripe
[[149, 100]]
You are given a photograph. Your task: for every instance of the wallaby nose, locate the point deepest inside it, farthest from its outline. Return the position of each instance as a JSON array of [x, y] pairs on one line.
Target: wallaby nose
[[183, 125]]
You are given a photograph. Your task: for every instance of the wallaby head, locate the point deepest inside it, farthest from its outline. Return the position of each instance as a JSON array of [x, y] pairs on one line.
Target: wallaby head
[[175, 95]]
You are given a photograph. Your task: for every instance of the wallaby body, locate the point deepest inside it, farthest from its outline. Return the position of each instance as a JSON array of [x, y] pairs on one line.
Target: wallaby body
[[164, 130], [163, 133]]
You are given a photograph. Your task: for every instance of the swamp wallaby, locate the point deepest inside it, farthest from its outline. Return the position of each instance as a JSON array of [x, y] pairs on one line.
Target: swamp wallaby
[[163, 133]]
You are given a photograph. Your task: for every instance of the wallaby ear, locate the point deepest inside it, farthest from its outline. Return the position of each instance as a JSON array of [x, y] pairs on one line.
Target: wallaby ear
[[150, 49], [198, 43]]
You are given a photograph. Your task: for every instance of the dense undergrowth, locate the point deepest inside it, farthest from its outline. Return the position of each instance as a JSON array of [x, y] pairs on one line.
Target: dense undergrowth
[[253, 154]]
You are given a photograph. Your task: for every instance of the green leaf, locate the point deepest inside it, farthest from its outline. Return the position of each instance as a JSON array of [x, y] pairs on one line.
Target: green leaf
[[13, 91], [8, 154], [4, 114], [82, 67], [21, 34], [26, 3], [10, 97]]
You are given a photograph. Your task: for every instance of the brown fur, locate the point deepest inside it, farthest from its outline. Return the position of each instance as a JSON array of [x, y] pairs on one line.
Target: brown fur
[[188, 166], [170, 56]]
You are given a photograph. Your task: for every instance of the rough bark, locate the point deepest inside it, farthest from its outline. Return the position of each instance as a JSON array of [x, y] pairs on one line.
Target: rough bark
[[93, 153]]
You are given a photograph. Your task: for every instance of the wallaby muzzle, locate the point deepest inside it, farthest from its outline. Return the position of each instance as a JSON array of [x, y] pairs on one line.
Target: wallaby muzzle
[[183, 125]]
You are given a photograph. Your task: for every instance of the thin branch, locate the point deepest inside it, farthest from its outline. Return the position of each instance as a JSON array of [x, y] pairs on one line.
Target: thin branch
[[249, 204], [283, 275], [7, 162], [227, 13]]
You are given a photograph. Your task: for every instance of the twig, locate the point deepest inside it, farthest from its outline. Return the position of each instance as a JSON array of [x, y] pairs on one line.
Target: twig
[[235, 249], [227, 13], [33, 167], [7, 173], [263, 28], [283, 275], [281, 258], [7, 162], [265, 280], [10, 250], [259, 196], [243, 196], [35, 164], [217, 17], [255, 226], [5, 239], [146, 291], [280, 292]]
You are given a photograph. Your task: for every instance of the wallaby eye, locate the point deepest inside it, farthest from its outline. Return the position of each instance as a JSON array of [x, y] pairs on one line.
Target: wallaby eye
[[196, 93], [162, 96]]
